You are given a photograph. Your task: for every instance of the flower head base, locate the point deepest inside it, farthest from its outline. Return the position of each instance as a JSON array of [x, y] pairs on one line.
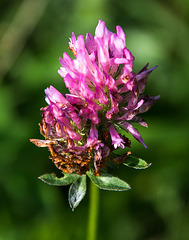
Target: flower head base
[[84, 127]]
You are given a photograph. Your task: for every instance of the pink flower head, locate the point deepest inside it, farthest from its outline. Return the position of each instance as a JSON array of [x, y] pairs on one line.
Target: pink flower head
[[104, 93]]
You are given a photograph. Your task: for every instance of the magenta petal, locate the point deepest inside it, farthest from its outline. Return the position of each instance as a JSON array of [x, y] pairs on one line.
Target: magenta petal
[[93, 132], [131, 112], [117, 45], [148, 103], [90, 43], [75, 100], [121, 34], [134, 132], [100, 95], [63, 121], [94, 117], [85, 91], [145, 74], [99, 77], [117, 141], [99, 32], [109, 114], [91, 142], [114, 103], [140, 120], [72, 41], [71, 84], [103, 56], [121, 60], [54, 96], [80, 43], [67, 59], [48, 116], [111, 84], [73, 135]]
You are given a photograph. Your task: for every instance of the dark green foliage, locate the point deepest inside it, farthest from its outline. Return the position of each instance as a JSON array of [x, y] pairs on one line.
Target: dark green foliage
[[136, 163], [77, 191], [51, 179], [108, 182]]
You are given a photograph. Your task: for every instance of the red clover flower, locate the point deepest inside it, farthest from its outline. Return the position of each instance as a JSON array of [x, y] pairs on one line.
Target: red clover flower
[[83, 129]]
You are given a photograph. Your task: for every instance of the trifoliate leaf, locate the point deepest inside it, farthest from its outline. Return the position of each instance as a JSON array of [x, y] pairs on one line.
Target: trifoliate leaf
[[136, 163], [108, 182], [77, 191], [52, 179]]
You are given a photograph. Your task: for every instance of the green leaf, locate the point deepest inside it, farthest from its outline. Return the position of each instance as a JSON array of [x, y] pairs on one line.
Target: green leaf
[[51, 179], [108, 182], [136, 163], [77, 191]]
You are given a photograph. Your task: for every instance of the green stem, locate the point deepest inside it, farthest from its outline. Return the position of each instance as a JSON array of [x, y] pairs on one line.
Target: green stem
[[93, 212]]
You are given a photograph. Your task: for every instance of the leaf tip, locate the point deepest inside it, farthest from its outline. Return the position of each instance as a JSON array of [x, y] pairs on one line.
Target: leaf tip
[[72, 207], [40, 177]]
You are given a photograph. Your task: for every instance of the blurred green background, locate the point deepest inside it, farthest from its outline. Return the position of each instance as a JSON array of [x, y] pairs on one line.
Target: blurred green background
[[33, 35]]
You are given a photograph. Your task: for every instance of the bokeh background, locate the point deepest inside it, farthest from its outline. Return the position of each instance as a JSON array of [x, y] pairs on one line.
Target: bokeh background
[[33, 35]]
